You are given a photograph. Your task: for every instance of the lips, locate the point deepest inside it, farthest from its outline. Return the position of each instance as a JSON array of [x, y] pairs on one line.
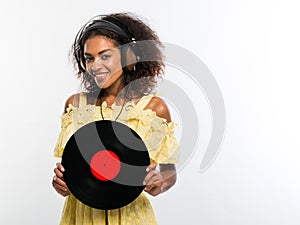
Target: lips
[[100, 76]]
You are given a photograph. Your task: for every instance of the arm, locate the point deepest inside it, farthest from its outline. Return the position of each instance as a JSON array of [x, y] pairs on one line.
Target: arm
[[58, 182], [158, 181]]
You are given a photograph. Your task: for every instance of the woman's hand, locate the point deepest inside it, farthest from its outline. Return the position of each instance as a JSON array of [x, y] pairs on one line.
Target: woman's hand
[[153, 180], [58, 181], [159, 181]]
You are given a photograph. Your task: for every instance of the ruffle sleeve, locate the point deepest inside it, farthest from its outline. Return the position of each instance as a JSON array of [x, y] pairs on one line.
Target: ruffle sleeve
[[65, 133], [157, 134]]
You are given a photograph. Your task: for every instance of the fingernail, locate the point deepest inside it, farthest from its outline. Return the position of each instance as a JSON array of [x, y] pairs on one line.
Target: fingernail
[[62, 169], [144, 183], [147, 169]]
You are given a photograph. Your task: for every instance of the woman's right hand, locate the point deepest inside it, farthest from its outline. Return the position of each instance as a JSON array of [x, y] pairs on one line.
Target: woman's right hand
[[58, 181]]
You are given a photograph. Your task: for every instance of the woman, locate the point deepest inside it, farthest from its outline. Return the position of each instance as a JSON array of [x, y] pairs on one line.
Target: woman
[[119, 59]]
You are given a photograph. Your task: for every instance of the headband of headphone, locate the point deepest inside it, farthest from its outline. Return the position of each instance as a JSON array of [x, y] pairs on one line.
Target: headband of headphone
[[127, 54], [104, 24]]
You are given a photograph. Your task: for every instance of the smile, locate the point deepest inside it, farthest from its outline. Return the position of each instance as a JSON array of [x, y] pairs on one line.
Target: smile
[[100, 76]]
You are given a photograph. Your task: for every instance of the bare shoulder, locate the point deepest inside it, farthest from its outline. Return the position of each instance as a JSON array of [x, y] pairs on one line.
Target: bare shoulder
[[73, 100], [161, 109]]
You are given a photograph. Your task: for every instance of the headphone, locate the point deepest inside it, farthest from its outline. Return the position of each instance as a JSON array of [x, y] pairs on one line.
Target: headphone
[[128, 57]]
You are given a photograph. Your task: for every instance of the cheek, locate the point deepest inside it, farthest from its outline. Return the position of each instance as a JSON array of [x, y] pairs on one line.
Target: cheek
[[115, 62], [114, 65], [88, 67]]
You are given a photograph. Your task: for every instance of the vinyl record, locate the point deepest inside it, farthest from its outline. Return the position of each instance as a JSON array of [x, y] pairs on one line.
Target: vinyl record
[[105, 164]]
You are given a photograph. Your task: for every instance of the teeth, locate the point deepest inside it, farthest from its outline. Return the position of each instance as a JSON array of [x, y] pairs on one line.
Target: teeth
[[101, 74]]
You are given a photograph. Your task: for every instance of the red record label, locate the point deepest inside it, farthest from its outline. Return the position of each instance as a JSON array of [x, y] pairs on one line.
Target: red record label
[[105, 165]]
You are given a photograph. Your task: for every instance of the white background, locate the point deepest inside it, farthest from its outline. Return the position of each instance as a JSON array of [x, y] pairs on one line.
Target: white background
[[251, 47]]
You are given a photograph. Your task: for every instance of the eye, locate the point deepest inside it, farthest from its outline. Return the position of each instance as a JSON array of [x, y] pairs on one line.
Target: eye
[[88, 59], [104, 57]]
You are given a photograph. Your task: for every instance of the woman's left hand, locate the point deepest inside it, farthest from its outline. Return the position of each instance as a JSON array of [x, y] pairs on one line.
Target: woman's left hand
[[153, 180]]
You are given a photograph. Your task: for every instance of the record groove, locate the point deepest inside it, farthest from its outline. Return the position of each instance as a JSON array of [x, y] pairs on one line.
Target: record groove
[[105, 164]]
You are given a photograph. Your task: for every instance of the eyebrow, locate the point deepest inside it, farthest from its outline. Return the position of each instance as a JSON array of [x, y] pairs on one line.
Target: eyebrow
[[99, 53]]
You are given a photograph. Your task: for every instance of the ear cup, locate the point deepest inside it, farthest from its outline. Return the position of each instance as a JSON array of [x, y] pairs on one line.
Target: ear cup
[[128, 58]]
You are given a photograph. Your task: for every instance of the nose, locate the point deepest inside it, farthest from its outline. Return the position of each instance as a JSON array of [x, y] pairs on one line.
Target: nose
[[97, 64]]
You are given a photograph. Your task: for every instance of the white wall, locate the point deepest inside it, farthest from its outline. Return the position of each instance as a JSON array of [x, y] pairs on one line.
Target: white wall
[[252, 49]]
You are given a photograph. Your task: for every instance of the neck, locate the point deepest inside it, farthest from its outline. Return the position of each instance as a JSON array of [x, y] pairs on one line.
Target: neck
[[110, 92], [118, 96], [114, 90]]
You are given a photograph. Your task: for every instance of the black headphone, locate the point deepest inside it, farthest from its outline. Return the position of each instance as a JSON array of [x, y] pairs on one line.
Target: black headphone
[[128, 56]]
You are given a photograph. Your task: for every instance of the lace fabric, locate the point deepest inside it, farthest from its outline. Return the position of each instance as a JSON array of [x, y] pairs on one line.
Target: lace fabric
[[158, 136]]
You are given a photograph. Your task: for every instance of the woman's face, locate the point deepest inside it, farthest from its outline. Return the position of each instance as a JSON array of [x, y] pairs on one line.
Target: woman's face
[[103, 62]]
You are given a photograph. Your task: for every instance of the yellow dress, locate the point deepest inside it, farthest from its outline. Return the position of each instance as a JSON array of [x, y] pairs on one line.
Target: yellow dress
[[158, 136]]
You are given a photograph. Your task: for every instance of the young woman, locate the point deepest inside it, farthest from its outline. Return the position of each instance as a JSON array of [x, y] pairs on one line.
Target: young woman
[[119, 59]]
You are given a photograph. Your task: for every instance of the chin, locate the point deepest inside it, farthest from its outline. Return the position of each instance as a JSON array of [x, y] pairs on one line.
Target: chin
[[102, 84]]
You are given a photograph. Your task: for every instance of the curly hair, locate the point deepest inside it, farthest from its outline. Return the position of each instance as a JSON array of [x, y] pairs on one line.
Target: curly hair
[[148, 48]]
